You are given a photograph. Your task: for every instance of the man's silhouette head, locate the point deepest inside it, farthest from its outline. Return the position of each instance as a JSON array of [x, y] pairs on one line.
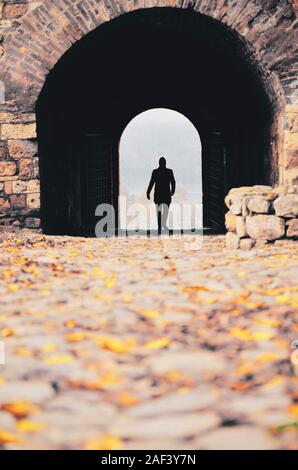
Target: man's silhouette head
[[162, 162]]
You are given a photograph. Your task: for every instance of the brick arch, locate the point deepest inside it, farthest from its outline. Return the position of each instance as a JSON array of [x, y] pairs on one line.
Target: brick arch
[[35, 35], [43, 32]]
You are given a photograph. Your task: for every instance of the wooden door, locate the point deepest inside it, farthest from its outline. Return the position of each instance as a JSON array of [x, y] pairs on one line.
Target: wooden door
[[214, 181]]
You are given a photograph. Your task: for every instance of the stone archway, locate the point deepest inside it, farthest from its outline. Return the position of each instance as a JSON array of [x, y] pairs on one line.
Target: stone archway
[[36, 36]]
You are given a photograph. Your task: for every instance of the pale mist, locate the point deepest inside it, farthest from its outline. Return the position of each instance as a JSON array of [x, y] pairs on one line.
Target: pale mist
[[153, 134]]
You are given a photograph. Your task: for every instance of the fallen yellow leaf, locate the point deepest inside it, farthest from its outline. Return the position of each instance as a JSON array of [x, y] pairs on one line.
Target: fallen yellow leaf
[[13, 287], [126, 399], [6, 332], [104, 443], [59, 359], [275, 382], [25, 352], [115, 345], [150, 313], [246, 335], [110, 283], [25, 425], [290, 299], [268, 357], [158, 343], [49, 348], [242, 334], [76, 337]]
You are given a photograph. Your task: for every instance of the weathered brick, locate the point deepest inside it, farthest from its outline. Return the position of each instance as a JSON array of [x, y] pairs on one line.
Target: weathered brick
[[18, 131], [14, 10], [21, 149], [8, 187], [26, 169], [18, 201], [32, 222], [33, 201], [4, 205], [33, 186], [3, 152], [7, 168], [19, 187], [6, 117]]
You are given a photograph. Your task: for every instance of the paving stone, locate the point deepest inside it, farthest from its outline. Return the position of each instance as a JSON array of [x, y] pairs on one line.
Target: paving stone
[[190, 363], [180, 426], [175, 403], [37, 392], [193, 339], [237, 438]]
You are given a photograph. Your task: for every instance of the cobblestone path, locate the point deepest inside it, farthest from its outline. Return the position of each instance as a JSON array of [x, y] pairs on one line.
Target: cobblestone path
[[147, 344]]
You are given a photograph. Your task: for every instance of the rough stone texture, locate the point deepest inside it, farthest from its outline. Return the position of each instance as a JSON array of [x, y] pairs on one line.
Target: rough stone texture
[[20, 187], [278, 204], [14, 10], [259, 204], [232, 241], [265, 227], [18, 201], [26, 169], [33, 201], [4, 205], [247, 243], [22, 149], [18, 131], [286, 206], [230, 221], [7, 168], [32, 222], [292, 228], [240, 227]]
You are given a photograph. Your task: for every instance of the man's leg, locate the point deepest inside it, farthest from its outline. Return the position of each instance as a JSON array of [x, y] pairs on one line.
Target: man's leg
[[158, 215], [165, 214]]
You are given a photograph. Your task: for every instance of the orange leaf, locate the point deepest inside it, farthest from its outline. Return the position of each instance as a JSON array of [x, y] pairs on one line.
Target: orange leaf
[[7, 437], [20, 409], [126, 399]]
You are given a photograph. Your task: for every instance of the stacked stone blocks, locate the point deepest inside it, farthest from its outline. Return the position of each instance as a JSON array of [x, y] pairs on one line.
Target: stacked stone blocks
[[261, 214]]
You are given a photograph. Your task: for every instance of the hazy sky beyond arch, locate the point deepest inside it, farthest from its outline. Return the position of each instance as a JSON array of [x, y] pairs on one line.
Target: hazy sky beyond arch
[[159, 133]]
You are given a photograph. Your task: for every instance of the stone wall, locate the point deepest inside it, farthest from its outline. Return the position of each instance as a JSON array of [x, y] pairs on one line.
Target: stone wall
[[35, 34], [19, 172], [261, 214]]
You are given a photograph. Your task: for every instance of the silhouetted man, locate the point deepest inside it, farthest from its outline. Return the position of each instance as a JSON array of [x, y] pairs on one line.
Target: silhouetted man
[[165, 186]]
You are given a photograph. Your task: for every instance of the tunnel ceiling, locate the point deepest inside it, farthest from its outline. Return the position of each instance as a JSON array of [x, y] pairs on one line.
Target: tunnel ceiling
[[159, 56]]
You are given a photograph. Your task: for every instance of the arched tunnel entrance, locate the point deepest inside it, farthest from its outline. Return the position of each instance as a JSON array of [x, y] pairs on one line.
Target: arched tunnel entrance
[[151, 58]]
